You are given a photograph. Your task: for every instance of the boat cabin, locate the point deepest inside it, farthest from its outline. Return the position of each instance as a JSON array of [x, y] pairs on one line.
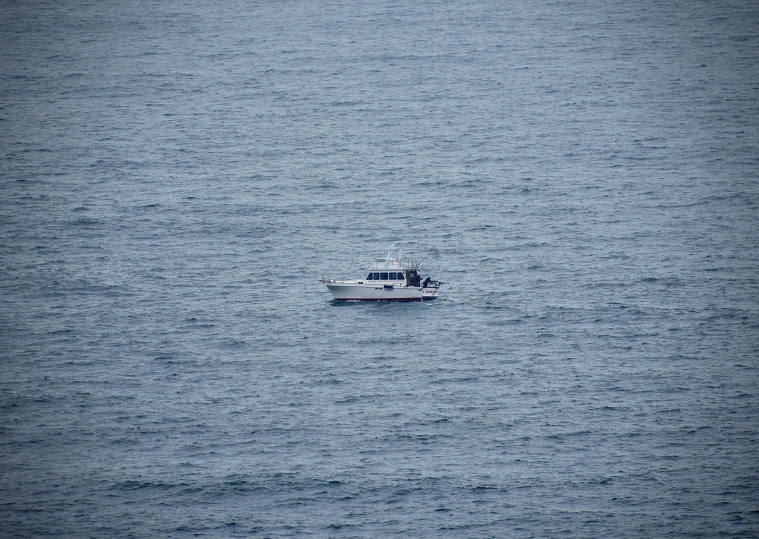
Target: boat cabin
[[410, 276]]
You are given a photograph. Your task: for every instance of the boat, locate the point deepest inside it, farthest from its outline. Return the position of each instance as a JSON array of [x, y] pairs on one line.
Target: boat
[[389, 279]]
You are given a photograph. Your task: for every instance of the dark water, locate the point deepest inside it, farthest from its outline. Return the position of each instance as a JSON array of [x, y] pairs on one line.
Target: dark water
[[175, 175]]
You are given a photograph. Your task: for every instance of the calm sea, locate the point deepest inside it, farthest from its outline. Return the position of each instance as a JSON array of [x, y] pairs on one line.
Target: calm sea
[[174, 176]]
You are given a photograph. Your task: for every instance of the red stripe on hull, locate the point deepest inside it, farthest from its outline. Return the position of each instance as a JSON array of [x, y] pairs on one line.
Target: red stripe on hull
[[384, 299]]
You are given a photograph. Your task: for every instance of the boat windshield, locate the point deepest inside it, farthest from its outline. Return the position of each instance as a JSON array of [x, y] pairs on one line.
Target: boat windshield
[[385, 276]]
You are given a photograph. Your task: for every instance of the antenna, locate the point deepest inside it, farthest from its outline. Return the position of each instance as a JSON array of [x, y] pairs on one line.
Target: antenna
[[389, 254], [434, 252]]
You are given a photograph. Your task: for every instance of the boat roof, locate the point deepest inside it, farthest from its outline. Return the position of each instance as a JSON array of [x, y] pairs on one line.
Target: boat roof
[[391, 264]]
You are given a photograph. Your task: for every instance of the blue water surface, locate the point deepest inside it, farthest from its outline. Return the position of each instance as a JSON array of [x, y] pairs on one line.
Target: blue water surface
[[174, 176]]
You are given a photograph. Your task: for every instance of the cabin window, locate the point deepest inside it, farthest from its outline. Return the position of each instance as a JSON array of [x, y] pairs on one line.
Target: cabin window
[[392, 276], [383, 276], [369, 277], [376, 276]]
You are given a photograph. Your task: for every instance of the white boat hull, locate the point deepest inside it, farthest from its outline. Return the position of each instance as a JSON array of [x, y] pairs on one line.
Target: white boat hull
[[352, 291]]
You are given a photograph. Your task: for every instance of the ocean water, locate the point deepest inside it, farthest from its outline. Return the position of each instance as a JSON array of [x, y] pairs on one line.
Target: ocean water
[[174, 176]]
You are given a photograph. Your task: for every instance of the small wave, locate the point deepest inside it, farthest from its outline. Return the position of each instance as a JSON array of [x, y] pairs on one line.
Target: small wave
[[86, 222], [140, 485]]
